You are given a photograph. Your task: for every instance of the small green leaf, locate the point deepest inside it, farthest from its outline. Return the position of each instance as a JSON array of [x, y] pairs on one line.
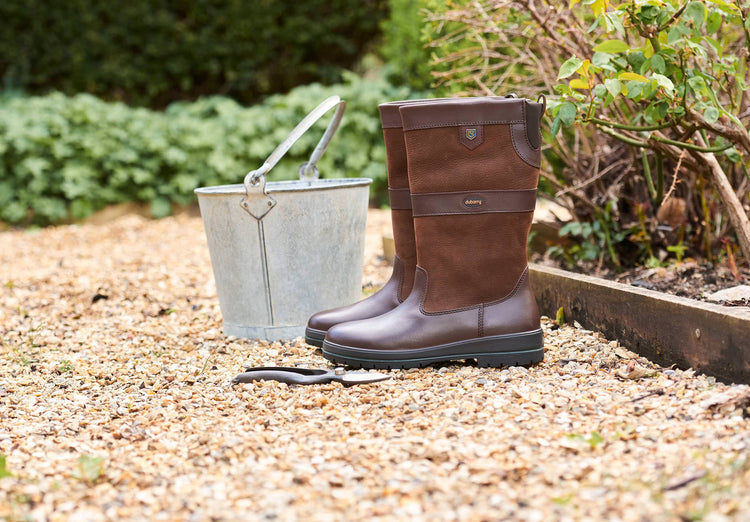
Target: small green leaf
[[567, 113], [649, 13], [634, 89], [89, 468], [636, 59], [675, 34], [616, 22], [664, 82], [595, 439], [560, 318], [613, 85], [658, 65], [696, 12], [697, 83], [733, 155], [601, 59], [570, 66], [612, 46], [3, 467], [555, 128], [711, 114]]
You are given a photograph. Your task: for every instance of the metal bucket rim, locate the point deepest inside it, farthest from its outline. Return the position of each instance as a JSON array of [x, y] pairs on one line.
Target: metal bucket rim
[[286, 186]]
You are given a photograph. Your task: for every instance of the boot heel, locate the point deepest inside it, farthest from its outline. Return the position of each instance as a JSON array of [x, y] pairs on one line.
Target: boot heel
[[524, 358]]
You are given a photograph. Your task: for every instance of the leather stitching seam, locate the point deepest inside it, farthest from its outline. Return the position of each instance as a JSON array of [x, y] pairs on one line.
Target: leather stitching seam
[[535, 164], [472, 307], [400, 280], [438, 124], [518, 151], [481, 321], [473, 212]]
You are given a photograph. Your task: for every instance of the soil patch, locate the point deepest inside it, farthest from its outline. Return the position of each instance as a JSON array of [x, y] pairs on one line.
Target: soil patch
[[692, 279]]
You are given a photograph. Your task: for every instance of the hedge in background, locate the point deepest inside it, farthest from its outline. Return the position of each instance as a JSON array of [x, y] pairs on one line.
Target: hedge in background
[[405, 43], [63, 157], [149, 52]]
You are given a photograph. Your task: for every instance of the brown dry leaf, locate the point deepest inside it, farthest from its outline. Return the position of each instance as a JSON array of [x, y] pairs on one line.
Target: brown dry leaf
[[625, 354], [672, 212], [726, 403], [635, 371]]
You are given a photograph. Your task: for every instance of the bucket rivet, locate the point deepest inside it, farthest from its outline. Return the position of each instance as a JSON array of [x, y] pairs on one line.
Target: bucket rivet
[[270, 203]]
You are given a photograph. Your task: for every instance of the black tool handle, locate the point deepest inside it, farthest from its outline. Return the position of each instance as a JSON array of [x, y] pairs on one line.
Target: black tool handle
[[282, 375]]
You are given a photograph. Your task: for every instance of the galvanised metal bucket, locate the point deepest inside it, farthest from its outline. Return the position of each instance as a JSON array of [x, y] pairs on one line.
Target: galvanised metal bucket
[[281, 251]]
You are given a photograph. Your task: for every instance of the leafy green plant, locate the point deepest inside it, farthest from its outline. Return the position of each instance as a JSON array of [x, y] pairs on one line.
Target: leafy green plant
[[593, 240], [405, 43], [63, 158], [560, 316], [667, 78], [647, 109], [64, 366], [678, 250], [27, 353], [594, 439], [89, 468], [4, 467]]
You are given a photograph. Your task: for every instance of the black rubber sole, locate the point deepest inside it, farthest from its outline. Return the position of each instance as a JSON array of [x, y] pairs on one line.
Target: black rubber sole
[[315, 337], [517, 349]]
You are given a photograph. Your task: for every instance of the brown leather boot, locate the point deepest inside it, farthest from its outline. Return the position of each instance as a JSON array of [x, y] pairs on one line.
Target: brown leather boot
[[396, 290], [473, 171]]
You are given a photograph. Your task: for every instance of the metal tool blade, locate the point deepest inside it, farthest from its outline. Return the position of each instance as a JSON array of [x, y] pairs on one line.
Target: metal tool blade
[[363, 377]]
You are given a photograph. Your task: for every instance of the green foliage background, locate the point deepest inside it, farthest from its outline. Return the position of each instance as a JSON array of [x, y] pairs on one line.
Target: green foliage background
[[151, 52], [645, 141], [65, 157], [405, 43]]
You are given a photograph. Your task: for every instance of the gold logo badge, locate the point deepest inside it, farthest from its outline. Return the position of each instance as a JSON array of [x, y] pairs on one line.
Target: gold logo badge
[[473, 202]]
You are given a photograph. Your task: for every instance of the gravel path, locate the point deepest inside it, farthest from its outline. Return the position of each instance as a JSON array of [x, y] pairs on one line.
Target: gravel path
[[115, 404]]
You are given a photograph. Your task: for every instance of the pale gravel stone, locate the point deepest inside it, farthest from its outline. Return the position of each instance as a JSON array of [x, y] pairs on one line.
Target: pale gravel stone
[[141, 379], [735, 293]]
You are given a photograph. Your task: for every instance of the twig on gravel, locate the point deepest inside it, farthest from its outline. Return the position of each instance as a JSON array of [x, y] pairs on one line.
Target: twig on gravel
[[658, 391], [684, 482]]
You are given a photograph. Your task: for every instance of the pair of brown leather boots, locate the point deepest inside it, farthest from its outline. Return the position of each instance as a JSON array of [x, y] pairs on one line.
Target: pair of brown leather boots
[[462, 176]]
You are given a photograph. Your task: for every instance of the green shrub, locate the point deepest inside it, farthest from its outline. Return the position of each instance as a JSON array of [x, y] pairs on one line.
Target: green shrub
[[405, 43], [674, 92], [66, 157], [150, 53], [645, 138]]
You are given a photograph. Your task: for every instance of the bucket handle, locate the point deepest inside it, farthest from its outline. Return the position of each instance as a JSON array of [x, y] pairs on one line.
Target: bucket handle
[[255, 180]]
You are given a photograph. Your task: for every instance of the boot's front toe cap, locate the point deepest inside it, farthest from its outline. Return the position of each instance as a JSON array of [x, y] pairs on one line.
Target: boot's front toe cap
[[322, 321], [346, 334]]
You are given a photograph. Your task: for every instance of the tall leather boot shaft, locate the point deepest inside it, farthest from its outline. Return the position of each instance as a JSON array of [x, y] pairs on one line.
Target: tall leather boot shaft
[[399, 195], [473, 170], [399, 285]]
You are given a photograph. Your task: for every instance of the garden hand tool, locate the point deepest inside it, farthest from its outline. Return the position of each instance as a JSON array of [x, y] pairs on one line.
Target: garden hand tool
[[307, 376], [473, 170]]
